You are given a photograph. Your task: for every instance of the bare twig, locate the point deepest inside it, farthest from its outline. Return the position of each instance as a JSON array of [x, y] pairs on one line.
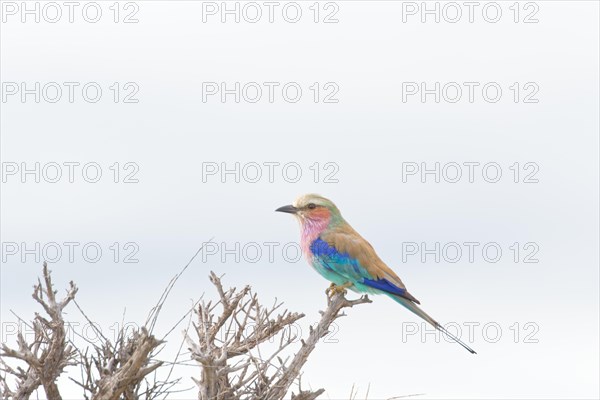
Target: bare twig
[[333, 312], [49, 353], [230, 334], [243, 349]]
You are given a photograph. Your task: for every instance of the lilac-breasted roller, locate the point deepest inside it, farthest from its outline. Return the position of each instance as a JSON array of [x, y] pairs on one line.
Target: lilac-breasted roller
[[342, 256]]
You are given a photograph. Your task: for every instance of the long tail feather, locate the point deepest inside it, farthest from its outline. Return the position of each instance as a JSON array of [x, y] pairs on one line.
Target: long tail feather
[[417, 311]]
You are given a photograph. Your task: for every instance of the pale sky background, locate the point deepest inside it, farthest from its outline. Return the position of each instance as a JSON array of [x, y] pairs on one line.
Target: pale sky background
[[367, 135]]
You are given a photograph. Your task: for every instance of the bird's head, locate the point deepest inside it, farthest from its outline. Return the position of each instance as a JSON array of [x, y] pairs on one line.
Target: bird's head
[[313, 208]]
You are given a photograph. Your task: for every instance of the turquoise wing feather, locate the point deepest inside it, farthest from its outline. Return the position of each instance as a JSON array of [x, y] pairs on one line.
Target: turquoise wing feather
[[342, 267]]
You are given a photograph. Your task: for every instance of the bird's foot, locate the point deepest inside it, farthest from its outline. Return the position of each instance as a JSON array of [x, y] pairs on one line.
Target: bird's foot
[[334, 289]]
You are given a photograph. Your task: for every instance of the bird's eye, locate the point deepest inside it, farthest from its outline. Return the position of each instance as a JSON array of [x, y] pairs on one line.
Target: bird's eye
[[312, 206]]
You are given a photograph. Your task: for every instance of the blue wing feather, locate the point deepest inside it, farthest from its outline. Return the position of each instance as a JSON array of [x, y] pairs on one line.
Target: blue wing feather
[[385, 285], [349, 267]]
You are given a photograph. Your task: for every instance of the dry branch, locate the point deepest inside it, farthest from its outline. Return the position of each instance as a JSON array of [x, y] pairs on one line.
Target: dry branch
[[243, 349], [49, 353], [113, 371], [123, 371], [334, 310], [229, 352]]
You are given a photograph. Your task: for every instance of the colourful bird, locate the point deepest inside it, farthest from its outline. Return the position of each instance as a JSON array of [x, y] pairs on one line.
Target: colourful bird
[[345, 258]]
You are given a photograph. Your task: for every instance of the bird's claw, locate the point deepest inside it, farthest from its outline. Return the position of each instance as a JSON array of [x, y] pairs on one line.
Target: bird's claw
[[334, 289]]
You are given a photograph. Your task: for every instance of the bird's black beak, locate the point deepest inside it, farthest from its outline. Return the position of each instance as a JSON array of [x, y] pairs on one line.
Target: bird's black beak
[[288, 209]]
